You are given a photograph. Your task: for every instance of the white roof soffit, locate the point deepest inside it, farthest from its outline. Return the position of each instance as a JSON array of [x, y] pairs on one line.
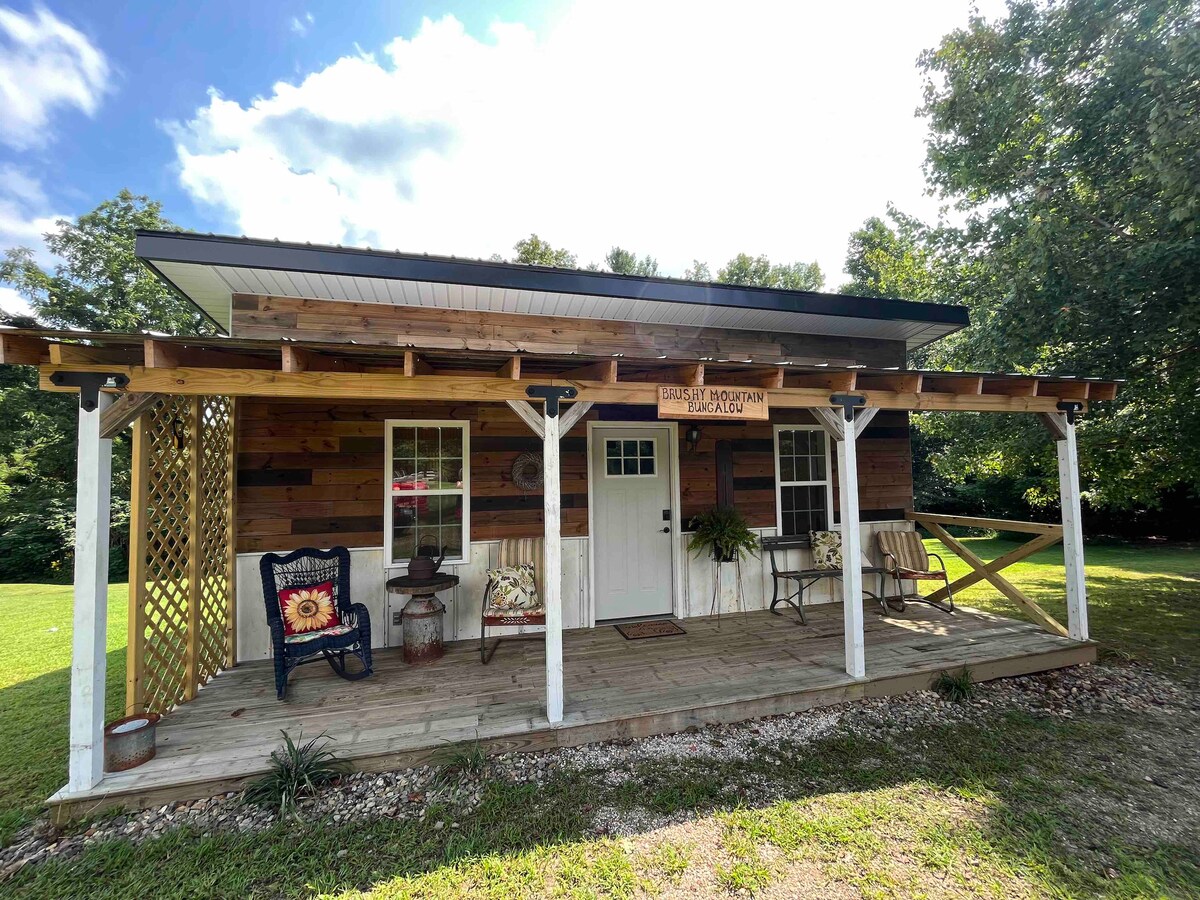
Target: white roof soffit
[[209, 270]]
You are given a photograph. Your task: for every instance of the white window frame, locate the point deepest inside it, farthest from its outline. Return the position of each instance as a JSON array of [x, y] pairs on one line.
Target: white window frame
[[654, 474], [828, 480], [389, 430]]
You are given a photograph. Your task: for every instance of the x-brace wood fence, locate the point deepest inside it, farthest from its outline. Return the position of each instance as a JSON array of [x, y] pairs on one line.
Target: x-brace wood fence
[[181, 571], [1047, 535]]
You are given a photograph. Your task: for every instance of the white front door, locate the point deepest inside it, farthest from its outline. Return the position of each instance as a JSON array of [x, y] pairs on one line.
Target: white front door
[[631, 518]]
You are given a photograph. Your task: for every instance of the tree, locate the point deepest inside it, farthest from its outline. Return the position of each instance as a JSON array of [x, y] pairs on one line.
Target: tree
[[891, 260], [1067, 136], [758, 271], [697, 271], [533, 251], [623, 262], [99, 284]]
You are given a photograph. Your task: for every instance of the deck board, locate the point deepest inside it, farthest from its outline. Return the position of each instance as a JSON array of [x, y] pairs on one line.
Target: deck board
[[737, 668]]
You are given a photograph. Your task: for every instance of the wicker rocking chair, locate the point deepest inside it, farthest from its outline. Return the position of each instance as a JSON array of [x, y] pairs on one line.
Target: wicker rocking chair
[[906, 559], [304, 568]]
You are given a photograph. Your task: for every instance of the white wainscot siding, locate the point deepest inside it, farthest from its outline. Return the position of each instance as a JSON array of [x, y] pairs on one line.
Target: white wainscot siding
[[367, 577], [697, 592]]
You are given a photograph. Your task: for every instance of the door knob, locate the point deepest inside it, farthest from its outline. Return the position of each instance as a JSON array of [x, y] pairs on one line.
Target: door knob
[[667, 530]]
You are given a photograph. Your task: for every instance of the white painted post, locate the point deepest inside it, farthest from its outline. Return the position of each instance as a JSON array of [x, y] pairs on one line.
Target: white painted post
[[552, 589], [92, 510], [1072, 522], [852, 607]]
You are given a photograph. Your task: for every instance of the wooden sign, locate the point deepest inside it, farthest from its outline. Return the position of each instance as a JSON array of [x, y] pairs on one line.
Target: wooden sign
[[711, 402]]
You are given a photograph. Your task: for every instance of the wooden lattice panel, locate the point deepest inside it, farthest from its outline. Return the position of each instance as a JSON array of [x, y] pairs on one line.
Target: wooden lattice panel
[[181, 570]]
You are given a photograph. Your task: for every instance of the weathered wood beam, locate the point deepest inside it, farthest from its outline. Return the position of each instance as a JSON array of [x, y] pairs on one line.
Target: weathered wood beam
[[770, 378], [1063, 390], [828, 381], [980, 522], [298, 359], [603, 371], [1011, 387], [863, 419], [1041, 542], [166, 355], [414, 365], [1102, 390], [488, 388], [1055, 423], [999, 582], [21, 350], [82, 354], [852, 608], [511, 368], [529, 415], [898, 382], [691, 375], [574, 413], [124, 412], [952, 384], [1072, 530], [831, 420]]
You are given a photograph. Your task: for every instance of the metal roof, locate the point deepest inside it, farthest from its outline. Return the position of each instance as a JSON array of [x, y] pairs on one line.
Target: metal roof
[[209, 269]]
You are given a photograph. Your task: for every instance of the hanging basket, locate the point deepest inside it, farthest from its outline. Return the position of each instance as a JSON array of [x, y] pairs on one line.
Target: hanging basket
[[527, 471]]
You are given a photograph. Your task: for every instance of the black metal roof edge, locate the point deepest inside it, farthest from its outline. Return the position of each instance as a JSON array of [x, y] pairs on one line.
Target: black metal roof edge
[[200, 249]]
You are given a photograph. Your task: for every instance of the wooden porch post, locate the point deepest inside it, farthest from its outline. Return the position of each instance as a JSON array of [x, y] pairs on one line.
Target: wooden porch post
[[90, 619], [1072, 522], [852, 608], [552, 589]]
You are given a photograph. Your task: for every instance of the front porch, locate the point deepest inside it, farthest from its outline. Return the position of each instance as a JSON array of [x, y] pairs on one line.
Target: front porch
[[740, 667]]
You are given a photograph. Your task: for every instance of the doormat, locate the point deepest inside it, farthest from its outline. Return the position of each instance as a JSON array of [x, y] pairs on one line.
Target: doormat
[[636, 631]]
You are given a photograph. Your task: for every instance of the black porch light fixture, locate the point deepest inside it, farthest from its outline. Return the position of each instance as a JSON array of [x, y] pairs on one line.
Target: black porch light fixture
[[692, 437]]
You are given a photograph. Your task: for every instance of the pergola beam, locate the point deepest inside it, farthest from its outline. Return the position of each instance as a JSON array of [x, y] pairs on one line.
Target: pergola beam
[[604, 371], [124, 412], [298, 359]]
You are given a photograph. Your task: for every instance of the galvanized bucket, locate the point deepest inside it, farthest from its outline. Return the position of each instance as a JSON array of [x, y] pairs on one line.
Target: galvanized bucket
[[129, 742]]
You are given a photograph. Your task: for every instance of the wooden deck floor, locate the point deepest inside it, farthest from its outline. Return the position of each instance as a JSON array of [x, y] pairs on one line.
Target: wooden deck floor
[[744, 667]]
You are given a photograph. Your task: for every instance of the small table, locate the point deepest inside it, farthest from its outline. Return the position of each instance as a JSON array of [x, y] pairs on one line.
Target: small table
[[423, 615]]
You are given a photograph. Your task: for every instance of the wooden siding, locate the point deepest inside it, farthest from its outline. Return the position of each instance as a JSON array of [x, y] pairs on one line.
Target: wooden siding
[[378, 323], [884, 468], [312, 474]]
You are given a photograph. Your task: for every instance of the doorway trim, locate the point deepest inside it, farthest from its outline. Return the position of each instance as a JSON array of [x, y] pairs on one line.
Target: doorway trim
[[671, 429]]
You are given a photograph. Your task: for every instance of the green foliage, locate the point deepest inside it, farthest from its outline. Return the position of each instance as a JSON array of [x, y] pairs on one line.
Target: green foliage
[[758, 271], [1066, 136], [697, 271], [533, 251], [460, 762], [956, 687], [890, 260], [98, 285], [724, 533], [297, 771], [624, 262]]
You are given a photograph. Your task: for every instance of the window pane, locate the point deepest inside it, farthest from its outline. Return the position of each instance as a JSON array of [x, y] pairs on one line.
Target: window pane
[[452, 539], [427, 474], [802, 470], [785, 443], [612, 449], [645, 448], [646, 466], [630, 467], [428, 441], [787, 469], [452, 441], [613, 467], [818, 467], [629, 448], [404, 445], [403, 545], [819, 521]]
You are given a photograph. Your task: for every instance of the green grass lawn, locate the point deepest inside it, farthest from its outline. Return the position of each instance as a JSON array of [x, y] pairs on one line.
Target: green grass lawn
[[944, 811]]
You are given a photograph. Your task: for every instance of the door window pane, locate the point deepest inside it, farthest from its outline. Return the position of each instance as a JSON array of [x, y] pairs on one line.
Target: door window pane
[[629, 458]]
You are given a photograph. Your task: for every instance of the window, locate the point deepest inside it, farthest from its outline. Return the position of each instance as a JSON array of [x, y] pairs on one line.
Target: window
[[804, 492], [428, 489], [623, 458]]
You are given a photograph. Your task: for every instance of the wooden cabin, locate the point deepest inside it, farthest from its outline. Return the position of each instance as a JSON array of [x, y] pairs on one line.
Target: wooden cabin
[[385, 401]]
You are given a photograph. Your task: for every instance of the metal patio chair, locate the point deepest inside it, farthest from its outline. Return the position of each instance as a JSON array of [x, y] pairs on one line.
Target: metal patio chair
[[906, 559], [308, 567], [513, 552]]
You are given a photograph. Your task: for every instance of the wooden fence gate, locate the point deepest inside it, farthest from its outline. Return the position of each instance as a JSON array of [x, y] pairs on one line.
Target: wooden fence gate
[[181, 550]]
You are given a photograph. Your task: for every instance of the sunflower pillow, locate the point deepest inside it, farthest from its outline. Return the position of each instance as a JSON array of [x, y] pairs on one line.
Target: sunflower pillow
[[513, 587], [308, 609]]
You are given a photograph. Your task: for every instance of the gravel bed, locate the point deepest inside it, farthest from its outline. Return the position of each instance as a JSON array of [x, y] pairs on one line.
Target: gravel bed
[[413, 793]]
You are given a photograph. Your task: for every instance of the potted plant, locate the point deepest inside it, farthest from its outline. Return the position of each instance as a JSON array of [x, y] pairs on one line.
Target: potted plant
[[724, 533]]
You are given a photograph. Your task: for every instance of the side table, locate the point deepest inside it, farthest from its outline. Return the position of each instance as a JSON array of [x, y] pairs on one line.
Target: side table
[[422, 615]]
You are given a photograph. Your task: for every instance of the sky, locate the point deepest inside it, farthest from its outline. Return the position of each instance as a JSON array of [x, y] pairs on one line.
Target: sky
[[687, 131]]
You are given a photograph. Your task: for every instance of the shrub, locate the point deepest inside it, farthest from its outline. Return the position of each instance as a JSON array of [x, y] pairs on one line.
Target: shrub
[[955, 688], [297, 770]]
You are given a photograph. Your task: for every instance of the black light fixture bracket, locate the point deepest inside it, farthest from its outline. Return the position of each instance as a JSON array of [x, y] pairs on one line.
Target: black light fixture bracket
[[552, 395], [89, 384]]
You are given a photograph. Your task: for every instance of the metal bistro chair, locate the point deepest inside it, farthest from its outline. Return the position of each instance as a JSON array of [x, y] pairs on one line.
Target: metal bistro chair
[[513, 552], [906, 559], [802, 579], [307, 567]]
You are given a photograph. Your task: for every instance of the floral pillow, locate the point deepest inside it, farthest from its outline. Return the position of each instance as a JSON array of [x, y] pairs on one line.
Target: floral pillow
[[513, 587], [309, 608], [826, 549]]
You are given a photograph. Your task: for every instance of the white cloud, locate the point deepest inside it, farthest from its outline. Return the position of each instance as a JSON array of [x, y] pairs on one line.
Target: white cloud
[[14, 303], [23, 213], [301, 24], [44, 64], [678, 130]]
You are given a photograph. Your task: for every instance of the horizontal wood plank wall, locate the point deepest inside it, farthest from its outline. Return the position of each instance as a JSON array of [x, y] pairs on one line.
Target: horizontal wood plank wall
[[312, 474], [381, 323], [884, 467]]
